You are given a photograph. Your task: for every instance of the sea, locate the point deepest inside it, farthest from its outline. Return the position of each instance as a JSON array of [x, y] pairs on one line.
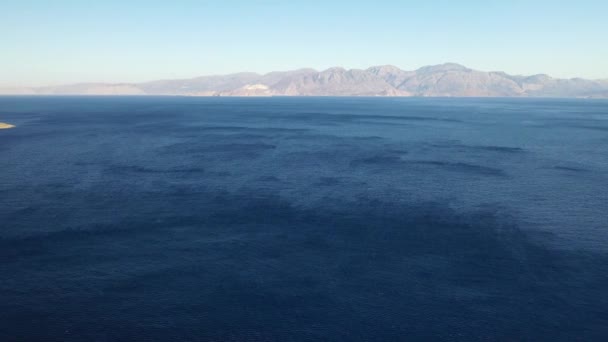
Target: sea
[[303, 219]]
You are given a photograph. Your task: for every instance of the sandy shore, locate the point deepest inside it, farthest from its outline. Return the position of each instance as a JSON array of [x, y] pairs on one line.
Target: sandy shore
[[5, 125]]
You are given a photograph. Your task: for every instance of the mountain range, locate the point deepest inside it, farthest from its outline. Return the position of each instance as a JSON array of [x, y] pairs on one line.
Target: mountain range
[[445, 80]]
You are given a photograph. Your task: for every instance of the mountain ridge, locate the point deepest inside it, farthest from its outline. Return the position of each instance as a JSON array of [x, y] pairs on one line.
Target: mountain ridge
[[442, 80]]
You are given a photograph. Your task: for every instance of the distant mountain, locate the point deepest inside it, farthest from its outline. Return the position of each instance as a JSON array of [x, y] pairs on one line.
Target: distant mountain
[[452, 80]]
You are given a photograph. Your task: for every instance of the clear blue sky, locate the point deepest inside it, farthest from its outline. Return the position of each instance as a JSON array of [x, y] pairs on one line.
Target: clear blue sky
[[61, 41]]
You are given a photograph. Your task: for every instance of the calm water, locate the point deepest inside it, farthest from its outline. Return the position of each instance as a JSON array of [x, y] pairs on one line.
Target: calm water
[[290, 219]]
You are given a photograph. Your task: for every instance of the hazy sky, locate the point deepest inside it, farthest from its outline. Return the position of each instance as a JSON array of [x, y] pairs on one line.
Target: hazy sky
[[60, 41]]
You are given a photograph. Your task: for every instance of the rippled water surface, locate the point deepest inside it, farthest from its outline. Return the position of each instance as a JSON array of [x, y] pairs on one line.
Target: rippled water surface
[[290, 219]]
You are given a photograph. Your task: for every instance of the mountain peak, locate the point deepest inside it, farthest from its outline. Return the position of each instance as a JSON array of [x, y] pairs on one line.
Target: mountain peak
[[388, 68], [334, 69], [444, 68]]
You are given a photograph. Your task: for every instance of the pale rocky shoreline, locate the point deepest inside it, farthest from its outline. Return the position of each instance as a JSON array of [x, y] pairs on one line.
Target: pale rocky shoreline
[[5, 125]]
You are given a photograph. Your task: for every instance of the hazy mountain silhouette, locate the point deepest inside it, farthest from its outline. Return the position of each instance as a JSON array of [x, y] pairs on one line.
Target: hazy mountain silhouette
[[439, 80]]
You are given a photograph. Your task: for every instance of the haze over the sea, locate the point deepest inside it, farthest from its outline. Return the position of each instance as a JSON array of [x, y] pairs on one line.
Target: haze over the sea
[[62, 42]]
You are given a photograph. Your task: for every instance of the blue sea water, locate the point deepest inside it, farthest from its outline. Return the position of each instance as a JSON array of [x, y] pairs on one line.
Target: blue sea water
[[300, 219]]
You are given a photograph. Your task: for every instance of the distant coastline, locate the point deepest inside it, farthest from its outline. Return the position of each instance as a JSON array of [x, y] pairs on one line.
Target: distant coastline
[[5, 125], [444, 80]]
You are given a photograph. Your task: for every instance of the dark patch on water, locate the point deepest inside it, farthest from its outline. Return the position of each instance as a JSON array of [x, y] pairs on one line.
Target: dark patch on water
[[269, 179], [328, 181], [595, 128], [391, 161], [244, 128], [239, 147], [502, 149], [388, 160], [378, 118], [460, 167], [141, 169], [570, 168], [457, 145]]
